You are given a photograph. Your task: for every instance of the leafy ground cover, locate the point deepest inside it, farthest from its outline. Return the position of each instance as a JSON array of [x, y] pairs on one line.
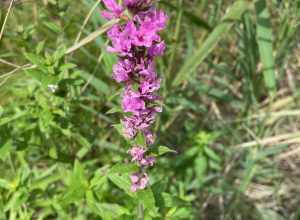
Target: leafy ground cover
[[231, 99]]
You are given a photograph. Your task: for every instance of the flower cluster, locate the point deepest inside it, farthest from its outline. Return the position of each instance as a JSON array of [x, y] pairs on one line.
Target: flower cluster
[[137, 42]]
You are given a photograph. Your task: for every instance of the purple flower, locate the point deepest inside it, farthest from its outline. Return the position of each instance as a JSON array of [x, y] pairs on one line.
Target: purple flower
[[145, 118], [138, 181], [129, 127], [122, 70], [136, 41], [157, 49], [148, 161], [114, 10], [134, 178], [147, 70], [154, 18], [137, 4], [135, 123], [137, 153], [147, 89], [121, 38], [145, 35], [149, 86], [132, 101], [149, 137]]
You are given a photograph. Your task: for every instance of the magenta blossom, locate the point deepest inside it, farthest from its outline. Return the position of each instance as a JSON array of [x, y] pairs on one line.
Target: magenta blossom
[[139, 181], [137, 153], [137, 41], [157, 49], [132, 101], [122, 70], [148, 161], [114, 10], [121, 38], [137, 4]]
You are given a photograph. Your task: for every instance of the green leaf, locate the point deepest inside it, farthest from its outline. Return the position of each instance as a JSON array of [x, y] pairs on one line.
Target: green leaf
[[113, 110], [34, 59], [146, 198], [86, 146], [5, 149], [44, 78], [119, 128], [6, 120], [172, 200], [179, 213], [107, 211], [53, 152], [119, 175], [53, 27], [200, 167], [164, 150], [95, 82], [192, 17], [234, 13], [16, 200], [40, 47], [78, 185], [140, 139], [5, 184], [98, 181], [67, 66], [211, 154], [265, 39], [111, 211]]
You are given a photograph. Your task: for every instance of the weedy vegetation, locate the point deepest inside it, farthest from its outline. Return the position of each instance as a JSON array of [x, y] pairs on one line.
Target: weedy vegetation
[[228, 134]]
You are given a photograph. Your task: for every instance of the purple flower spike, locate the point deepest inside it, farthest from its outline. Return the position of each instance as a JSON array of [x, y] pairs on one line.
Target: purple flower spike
[[136, 41]]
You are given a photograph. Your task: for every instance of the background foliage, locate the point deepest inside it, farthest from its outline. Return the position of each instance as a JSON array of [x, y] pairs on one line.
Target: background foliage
[[230, 112]]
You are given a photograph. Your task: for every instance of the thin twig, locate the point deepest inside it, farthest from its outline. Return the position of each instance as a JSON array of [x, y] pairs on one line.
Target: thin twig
[[270, 140], [277, 114], [91, 77], [9, 63], [87, 18], [5, 19], [92, 36], [293, 152], [6, 76]]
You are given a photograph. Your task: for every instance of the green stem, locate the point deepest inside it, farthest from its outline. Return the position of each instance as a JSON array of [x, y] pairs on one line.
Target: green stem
[[140, 211]]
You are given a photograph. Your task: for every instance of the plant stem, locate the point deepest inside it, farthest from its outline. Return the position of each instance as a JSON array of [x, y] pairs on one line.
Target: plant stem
[[140, 211]]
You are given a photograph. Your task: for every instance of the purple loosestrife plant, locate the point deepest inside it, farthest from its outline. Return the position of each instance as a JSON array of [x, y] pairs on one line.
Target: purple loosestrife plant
[[137, 42]]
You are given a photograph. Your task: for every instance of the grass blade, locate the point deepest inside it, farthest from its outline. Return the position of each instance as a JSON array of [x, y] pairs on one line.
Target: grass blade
[[193, 18], [92, 36], [234, 13], [264, 39]]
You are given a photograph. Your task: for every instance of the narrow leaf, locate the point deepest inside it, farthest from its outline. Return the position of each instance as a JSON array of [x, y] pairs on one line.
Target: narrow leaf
[[264, 39], [190, 67]]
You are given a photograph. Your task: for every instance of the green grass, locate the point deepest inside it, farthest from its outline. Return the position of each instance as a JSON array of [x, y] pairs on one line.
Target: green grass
[[231, 99]]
